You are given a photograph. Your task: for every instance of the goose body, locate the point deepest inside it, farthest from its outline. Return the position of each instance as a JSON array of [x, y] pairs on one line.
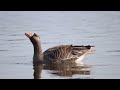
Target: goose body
[[57, 53], [66, 52]]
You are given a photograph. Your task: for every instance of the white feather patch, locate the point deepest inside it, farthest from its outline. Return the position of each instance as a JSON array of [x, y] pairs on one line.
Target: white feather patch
[[79, 60]]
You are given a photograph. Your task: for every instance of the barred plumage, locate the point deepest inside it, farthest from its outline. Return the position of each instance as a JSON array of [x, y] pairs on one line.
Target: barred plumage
[[64, 52]]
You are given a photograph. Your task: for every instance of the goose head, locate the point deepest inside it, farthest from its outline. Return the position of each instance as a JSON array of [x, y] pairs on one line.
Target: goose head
[[34, 38]]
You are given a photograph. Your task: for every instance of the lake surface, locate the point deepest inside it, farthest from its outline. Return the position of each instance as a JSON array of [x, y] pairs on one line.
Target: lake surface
[[98, 28]]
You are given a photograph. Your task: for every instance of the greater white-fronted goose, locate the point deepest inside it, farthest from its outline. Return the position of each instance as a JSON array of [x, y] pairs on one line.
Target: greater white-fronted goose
[[57, 53]]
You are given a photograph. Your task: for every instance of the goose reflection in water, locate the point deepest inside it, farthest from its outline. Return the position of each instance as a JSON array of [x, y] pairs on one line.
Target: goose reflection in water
[[37, 70], [63, 68]]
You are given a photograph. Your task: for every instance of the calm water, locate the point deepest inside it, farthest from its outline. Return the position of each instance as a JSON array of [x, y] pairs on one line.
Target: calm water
[[99, 28]]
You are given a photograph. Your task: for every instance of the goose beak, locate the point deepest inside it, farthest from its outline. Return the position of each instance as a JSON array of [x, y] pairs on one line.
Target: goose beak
[[29, 35]]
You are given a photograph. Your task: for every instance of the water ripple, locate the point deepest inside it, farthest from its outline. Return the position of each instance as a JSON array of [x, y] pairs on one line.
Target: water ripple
[[114, 51], [3, 50], [15, 40]]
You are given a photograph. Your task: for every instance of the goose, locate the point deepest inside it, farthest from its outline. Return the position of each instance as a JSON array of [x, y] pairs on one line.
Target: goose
[[57, 53]]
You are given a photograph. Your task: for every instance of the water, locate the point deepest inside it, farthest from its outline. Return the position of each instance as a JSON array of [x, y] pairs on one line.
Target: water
[[99, 28]]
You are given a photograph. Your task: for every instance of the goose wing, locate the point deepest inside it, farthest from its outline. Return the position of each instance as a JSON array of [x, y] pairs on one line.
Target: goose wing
[[64, 52]]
